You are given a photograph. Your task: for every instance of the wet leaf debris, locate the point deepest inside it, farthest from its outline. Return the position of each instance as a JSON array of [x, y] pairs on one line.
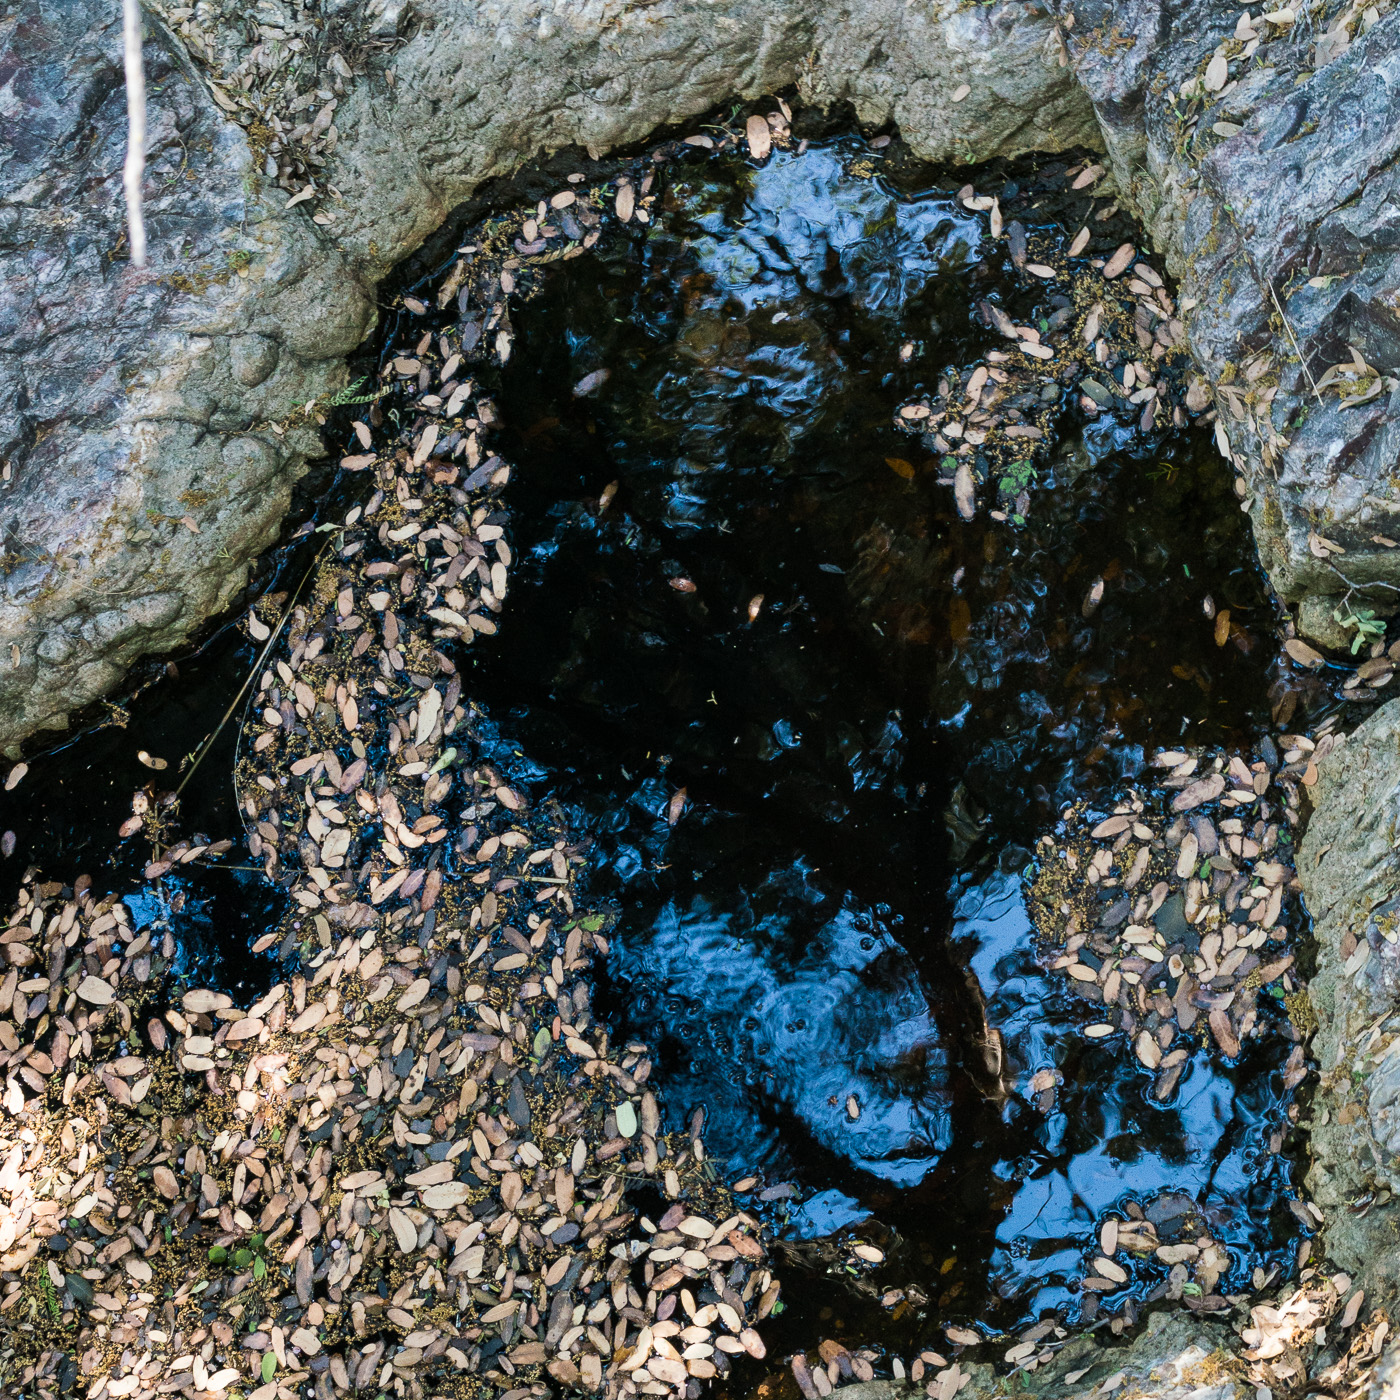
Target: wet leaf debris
[[1104, 336], [416, 1165], [1174, 912], [1174, 915]]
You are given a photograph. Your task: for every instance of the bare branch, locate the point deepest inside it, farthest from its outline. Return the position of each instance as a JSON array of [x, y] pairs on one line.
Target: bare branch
[[135, 168]]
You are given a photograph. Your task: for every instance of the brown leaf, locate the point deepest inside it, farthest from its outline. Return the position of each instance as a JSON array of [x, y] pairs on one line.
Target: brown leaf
[[1119, 262], [964, 492], [1302, 653], [1203, 790], [759, 137]]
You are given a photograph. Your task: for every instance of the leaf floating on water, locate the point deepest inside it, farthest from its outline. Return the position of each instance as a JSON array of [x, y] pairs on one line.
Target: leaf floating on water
[[1302, 653], [626, 201], [1200, 792], [151, 761], [7, 844], [1092, 598], [1081, 241], [900, 467], [606, 498], [16, 776], [1016, 242], [755, 606], [759, 137], [682, 584], [1118, 264], [964, 492], [675, 807], [592, 381]]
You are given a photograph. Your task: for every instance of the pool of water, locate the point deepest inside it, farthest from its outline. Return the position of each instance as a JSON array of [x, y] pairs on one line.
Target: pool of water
[[813, 721]]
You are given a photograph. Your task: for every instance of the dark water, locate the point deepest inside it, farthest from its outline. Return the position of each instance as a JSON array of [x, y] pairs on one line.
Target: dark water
[[836, 911], [867, 761]]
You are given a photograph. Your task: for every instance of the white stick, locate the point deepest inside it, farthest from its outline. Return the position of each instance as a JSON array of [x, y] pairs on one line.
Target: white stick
[[135, 167]]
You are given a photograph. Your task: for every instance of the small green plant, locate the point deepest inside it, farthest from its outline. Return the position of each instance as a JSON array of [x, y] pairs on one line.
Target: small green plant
[[243, 1256], [348, 395], [1369, 627], [1018, 478], [50, 1293]]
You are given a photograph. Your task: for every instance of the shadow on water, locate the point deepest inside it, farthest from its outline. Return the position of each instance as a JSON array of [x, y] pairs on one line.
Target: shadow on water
[[872, 708], [813, 722]]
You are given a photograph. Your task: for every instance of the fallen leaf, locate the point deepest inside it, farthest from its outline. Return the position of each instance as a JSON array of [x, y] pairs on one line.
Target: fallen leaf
[[759, 137]]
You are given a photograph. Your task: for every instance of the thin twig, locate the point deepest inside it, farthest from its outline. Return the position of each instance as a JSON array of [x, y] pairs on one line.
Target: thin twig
[[253, 670], [1361, 587], [135, 169], [1283, 315]]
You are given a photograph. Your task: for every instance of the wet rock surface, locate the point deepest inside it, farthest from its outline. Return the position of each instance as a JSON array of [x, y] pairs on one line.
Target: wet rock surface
[[1259, 154], [148, 441], [1351, 880]]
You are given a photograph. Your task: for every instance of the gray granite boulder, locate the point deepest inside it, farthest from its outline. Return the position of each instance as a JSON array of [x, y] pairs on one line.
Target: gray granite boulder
[[153, 422]]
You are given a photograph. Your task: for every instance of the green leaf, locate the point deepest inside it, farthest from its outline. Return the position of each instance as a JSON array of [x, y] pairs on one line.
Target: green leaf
[[594, 922], [217, 1254], [541, 1045], [257, 1241], [259, 1267], [243, 1257], [269, 1367]]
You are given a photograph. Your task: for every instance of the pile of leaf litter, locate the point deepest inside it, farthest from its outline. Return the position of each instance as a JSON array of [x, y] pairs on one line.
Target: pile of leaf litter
[[1103, 333], [1171, 916], [417, 1166]]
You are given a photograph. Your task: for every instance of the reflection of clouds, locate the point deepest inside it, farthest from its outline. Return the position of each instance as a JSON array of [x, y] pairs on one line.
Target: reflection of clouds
[[809, 226], [804, 1017]]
